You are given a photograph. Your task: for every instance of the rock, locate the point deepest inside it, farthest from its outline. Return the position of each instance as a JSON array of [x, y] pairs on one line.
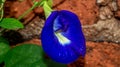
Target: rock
[[108, 9], [118, 2], [113, 5], [32, 29], [117, 14], [105, 30], [103, 2], [105, 13]]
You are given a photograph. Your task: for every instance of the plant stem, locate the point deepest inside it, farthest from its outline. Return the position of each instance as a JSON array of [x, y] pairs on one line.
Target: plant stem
[[29, 10], [1, 15], [46, 6], [1, 9]]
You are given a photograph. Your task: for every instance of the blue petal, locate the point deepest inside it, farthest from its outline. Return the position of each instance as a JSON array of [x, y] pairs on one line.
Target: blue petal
[[66, 25]]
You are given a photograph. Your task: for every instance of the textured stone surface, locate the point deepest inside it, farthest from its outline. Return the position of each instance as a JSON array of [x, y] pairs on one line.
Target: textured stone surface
[[32, 29], [103, 2], [118, 12], [107, 8], [107, 27], [105, 30], [118, 1], [105, 13]]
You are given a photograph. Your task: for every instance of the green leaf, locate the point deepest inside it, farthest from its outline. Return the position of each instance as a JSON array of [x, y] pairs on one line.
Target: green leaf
[[51, 63], [11, 23], [26, 55], [2, 1], [4, 48]]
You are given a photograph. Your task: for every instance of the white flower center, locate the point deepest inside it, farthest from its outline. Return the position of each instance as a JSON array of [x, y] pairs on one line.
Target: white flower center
[[62, 39]]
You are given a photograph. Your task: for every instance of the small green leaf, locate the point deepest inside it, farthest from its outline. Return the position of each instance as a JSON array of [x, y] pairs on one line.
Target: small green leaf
[[11, 23], [4, 48], [26, 55]]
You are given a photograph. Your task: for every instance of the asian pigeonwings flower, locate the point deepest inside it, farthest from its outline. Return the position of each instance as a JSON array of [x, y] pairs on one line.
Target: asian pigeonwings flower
[[62, 37]]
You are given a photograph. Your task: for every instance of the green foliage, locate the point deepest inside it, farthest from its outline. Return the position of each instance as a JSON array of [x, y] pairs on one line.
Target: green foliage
[[4, 48], [1, 1], [51, 63], [28, 55], [11, 24]]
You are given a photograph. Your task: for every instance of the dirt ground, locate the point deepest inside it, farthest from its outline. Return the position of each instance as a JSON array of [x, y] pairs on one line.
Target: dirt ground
[[99, 54]]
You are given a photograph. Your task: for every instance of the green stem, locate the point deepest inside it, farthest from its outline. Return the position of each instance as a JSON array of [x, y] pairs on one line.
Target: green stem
[[29, 10], [1, 15], [1, 9], [43, 3]]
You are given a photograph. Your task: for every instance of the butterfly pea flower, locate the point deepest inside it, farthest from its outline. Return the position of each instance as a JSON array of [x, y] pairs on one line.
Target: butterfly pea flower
[[62, 37]]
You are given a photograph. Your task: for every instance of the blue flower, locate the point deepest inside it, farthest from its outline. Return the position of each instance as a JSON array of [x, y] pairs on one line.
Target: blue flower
[[62, 37]]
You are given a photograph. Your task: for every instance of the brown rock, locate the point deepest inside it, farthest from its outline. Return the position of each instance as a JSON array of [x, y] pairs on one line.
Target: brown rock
[[86, 10], [118, 1], [117, 14], [105, 13], [103, 2], [105, 30], [32, 29], [113, 5]]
